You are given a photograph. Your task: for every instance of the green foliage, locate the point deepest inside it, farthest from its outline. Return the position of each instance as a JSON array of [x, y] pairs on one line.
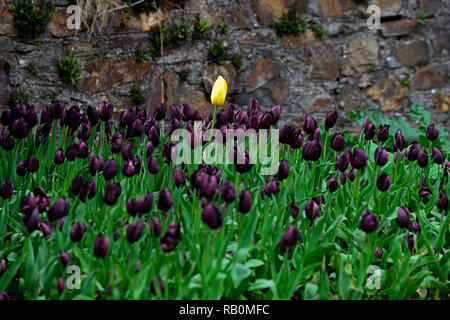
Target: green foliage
[[69, 68], [38, 45], [156, 38], [318, 32], [182, 32], [17, 96], [31, 69], [237, 62], [136, 95], [30, 18], [183, 74], [224, 27], [423, 18], [406, 82], [201, 28], [141, 55], [218, 53], [291, 23]]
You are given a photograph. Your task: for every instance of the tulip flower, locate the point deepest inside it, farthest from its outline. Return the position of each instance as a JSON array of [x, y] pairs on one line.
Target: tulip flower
[[155, 226], [110, 170], [283, 170], [342, 161], [115, 144], [381, 156], [112, 193], [33, 164], [422, 158], [337, 142], [416, 226], [212, 216], [424, 190], [413, 151], [165, 201], [144, 203], [153, 165], [6, 189], [66, 259], [312, 209], [332, 184], [101, 245], [369, 222], [77, 231], [72, 151], [170, 239], [179, 177], [96, 164], [160, 112], [437, 156], [59, 209], [383, 182], [399, 143], [245, 201], [432, 132], [46, 228], [219, 92], [294, 210], [134, 231], [88, 189], [358, 159], [61, 286], [8, 142], [312, 150], [330, 120], [228, 191], [106, 111], [378, 252], [59, 158], [410, 242], [383, 132], [442, 202], [32, 221], [290, 238], [296, 139], [369, 129], [403, 217], [83, 150]]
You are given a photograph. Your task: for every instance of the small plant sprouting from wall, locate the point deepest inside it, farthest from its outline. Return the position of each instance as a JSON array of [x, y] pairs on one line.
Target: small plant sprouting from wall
[[136, 95], [16, 97], [183, 75], [156, 37], [218, 53], [141, 55], [291, 23], [181, 33], [32, 69], [30, 18], [237, 62], [201, 28], [69, 68]]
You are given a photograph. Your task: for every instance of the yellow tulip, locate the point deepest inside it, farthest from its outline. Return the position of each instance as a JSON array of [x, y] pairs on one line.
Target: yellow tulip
[[219, 92]]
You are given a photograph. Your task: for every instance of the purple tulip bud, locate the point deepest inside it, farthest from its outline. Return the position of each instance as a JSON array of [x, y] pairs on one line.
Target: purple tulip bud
[[115, 144], [72, 151], [83, 150], [378, 252], [436, 154], [424, 190], [165, 201], [276, 112], [285, 133], [312, 150], [332, 184], [134, 231], [245, 201], [56, 109], [153, 136], [160, 284], [228, 191], [160, 112], [432, 132], [403, 217], [265, 120], [399, 140], [6, 189], [96, 164], [110, 170], [8, 142], [309, 124], [66, 259], [283, 170], [93, 115], [46, 228], [149, 148], [312, 209], [84, 132], [77, 231], [153, 165], [170, 239], [290, 238], [135, 129], [369, 131], [294, 210], [3, 264], [296, 139], [410, 242], [76, 185], [144, 203], [442, 202], [32, 221], [61, 286], [33, 164], [4, 296], [127, 117], [383, 132], [381, 156], [342, 161], [422, 158], [383, 181], [186, 112], [59, 209], [413, 152], [132, 207], [112, 193], [369, 222], [358, 159], [179, 177], [155, 226], [101, 245], [19, 129], [106, 111], [88, 189], [416, 226], [59, 157], [212, 216], [337, 142], [330, 120]]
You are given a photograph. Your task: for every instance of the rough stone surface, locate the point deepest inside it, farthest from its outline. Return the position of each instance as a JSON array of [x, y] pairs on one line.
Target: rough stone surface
[[432, 7], [389, 8], [442, 101], [266, 69], [7, 23], [58, 25], [269, 10], [4, 84], [325, 65], [335, 8], [427, 78], [389, 92], [397, 28], [360, 55], [412, 53]]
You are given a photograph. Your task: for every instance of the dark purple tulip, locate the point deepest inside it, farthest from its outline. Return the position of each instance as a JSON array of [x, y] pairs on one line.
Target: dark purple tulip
[[245, 201], [378, 252], [160, 112], [6, 118], [165, 201], [330, 120], [110, 170], [56, 109], [76, 185], [134, 231], [59, 209], [316, 135], [72, 151], [32, 221], [337, 142], [413, 152], [160, 284], [358, 159], [312, 209], [106, 111], [432, 132], [209, 186], [285, 133], [265, 120], [410, 242], [93, 115], [144, 203], [83, 150], [276, 112], [6, 189], [179, 177], [115, 144], [153, 136], [77, 231], [283, 170], [89, 189], [403, 217], [31, 118], [127, 117], [402, 153], [332, 184], [383, 181], [309, 124], [369, 129], [342, 161], [96, 164], [171, 238], [61, 286], [155, 226], [228, 191], [32, 164], [8, 142], [416, 226], [294, 210], [19, 129], [296, 139], [132, 207], [422, 158], [446, 168], [112, 193], [153, 165], [383, 132], [46, 228], [4, 296], [399, 140], [290, 238], [84, 132], [59, 157], [127, 151], [149, 148], [442, 202], [381, 156], [168, 149], [312, 150], [135, 129], [101, 245], [436, 154], [424, 190], [2, 266], [174, 113], [66, 259], [369, 222], [186, 111], [28, 204], [212, 216]]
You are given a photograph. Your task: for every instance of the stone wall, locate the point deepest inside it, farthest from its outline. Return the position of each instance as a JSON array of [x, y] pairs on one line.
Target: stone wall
[[352, 68]]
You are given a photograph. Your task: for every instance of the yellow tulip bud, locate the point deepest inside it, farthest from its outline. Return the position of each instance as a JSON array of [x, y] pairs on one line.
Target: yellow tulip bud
[[219, 91]]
